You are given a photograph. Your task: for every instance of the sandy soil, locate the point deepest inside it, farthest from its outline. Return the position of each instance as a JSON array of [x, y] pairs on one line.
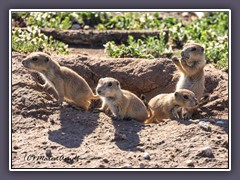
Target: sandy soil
[[45, 136]]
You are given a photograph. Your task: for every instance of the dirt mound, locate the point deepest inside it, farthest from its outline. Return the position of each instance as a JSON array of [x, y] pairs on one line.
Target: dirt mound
[[76, 139]]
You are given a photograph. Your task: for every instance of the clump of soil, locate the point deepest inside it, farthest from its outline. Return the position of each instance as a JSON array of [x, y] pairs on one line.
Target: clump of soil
[[46, 136]]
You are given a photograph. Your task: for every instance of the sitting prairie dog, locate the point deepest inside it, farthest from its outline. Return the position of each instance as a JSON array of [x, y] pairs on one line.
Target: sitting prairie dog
[[169, 106], [191, 66], [67, 83], [122, 103]]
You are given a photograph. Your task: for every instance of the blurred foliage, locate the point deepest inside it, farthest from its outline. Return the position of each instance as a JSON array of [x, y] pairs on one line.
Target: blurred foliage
[[210, 31], [151, 47], [31, 39]]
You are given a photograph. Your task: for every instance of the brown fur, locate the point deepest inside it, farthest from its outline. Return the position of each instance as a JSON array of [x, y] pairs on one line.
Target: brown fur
[[191, 67], [122, 103], [67, 83], [169, 106]]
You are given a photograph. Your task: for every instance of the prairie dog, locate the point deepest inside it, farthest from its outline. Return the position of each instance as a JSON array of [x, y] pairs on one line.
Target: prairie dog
[[169, 106], [67, 83], [191, 66], [122, 103]]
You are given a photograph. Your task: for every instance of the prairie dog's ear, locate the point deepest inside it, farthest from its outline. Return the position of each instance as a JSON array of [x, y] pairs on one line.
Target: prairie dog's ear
[[118, 83]]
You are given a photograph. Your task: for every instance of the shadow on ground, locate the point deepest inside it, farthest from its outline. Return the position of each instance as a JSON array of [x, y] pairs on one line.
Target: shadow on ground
[[75, 125]]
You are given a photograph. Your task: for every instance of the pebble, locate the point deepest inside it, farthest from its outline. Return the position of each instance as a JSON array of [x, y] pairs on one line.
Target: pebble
[[146, 156], [23, 100], [190, 163], [105, 160], [48, 152], [204, 125], [141, 165], [63, 133], [127, 166], [44, 116], [178, 139], [220, 122], [196, 121], [206, 151], [76, 26], [68, 160], [52, 122], [16, 147], [120, 136], [86, 27]]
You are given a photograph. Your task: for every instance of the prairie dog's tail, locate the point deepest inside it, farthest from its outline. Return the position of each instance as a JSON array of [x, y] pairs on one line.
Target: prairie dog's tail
[[143, 98], [204, 100]]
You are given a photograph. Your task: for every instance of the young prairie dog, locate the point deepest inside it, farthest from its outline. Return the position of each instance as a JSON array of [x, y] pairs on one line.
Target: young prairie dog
[[169, 106], [122, 103], [66, 83], [191, 66]]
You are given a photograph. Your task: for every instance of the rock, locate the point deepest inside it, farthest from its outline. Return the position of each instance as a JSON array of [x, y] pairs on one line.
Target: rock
[[16, 147], [48, 153], [68, 160], [204, 125], [178, 139], [23, 100], [75, 27], [220, 122], [44, 116], [189, 163], [52, 122], [127, 166], [141, 165], [86, 27], [120, 136], [101, 166], [105, 160], [205, 152], [196, 121], [146, 156]]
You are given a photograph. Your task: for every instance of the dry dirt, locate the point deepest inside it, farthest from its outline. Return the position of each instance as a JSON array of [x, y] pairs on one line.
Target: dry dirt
[[45, 136]]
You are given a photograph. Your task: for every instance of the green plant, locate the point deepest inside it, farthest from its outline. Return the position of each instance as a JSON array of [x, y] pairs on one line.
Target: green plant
[[210, 31], [141, 48], [57, 20], [31, 39]]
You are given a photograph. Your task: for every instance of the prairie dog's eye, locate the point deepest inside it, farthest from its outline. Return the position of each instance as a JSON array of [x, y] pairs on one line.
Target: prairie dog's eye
[[34, 59], [185, 96], [109, 84], [194, 49]]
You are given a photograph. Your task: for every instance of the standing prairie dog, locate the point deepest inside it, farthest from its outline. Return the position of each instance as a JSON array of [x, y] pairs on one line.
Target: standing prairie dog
[[67, 83], [169, 106], [122, 103], [191, 66]]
